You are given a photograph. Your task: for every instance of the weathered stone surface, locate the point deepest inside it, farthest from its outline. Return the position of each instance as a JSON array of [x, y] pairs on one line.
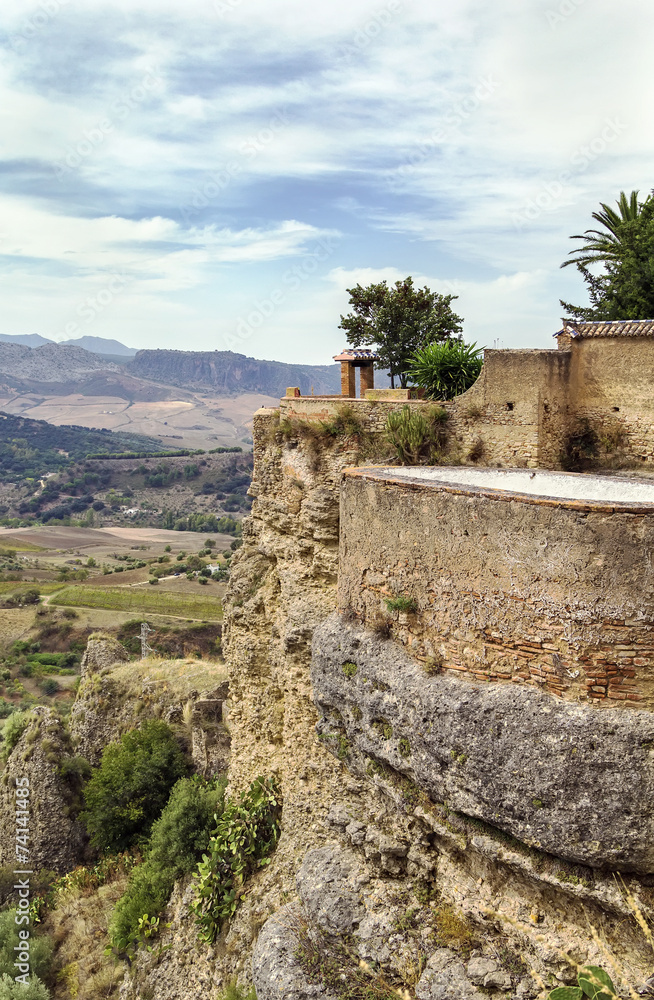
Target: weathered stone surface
[[445, 979], [102, 651], [478, 968], [56, 841], [329, 883], [276, 972], [568, 779]]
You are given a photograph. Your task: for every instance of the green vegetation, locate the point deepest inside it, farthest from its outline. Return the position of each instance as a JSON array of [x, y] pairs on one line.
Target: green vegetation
[[624, 247], [40, 952], [129, 789], [13, 729], [30, 448], [402, 603], [140, 600], [416, 436], [234, 992], [446, 369], [179, 838], [397, 322], [349, 669], [246, 834], [594, 983]]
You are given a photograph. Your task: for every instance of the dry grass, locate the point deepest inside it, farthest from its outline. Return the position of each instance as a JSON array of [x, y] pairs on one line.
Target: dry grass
[[179, 678], [79, 928]]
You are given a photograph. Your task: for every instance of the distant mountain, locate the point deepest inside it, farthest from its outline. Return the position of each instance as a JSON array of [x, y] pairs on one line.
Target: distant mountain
[[50, 362], [26, 339], [226, 372], [98, 345]]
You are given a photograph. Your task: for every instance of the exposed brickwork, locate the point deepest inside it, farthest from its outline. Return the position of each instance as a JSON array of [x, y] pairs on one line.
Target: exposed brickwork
[[555, 594]]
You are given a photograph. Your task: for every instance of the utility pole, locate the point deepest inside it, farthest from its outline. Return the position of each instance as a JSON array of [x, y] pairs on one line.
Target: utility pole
[[146, 648]]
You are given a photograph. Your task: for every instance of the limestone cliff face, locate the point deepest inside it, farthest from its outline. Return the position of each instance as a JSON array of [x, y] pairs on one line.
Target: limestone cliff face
[[56, 840]]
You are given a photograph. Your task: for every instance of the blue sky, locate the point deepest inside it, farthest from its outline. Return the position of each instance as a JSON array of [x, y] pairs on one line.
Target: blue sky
[[214, 174]]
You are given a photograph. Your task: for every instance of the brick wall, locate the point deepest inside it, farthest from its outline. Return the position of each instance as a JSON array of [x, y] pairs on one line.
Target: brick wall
[[559, 595]]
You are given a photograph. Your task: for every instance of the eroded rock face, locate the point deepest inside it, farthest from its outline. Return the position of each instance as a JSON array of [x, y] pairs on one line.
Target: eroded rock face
[[571, 780], [276, 973], [102, 651], [56, 841]]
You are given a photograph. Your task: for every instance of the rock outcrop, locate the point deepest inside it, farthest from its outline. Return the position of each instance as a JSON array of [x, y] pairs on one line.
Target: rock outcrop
[[568, 779], [56, 840]]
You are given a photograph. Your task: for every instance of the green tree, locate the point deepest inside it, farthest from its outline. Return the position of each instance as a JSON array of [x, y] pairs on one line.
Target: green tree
[[179, 838], [129, 789], [398, 321], [624, 248]]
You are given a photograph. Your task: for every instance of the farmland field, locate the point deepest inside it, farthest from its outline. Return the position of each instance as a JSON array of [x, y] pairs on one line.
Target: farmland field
[[141, 601]]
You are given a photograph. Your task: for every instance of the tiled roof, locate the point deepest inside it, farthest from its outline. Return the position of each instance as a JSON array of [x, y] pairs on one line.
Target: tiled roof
[[355, 354], [609, 328]]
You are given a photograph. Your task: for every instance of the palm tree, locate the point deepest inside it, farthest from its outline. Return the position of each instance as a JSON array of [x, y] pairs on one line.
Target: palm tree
[[607, 246]]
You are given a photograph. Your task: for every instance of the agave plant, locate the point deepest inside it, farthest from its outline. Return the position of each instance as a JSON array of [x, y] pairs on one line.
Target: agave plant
[[446, 369]]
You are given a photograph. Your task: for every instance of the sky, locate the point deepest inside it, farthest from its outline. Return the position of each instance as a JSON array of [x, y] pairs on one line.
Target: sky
[[215, 174]]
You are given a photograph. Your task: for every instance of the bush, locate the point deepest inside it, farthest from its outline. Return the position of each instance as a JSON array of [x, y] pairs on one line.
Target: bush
[[128, 791], [49, 686], [446, 369], [11, 990], [415, 435], [14, 728], [40, 952], [247, 832], [179, 837]]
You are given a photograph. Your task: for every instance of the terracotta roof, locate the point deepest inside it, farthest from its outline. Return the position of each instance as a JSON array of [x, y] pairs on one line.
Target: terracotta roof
[[609, 328], [355, 354]]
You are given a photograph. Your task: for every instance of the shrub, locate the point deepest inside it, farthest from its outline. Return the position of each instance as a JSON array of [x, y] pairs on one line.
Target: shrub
[[415, 435], [11, 990], [179, 837], [128, 791], [40, 951], [14, 728], [446, 369], [49, 686], [402, 604], [247, 832]]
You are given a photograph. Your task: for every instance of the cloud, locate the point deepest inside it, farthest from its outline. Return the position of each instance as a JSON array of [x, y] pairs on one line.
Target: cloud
[[200, 149]]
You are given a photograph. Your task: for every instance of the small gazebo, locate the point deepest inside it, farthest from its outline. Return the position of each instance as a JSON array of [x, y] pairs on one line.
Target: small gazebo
[[350, 359]]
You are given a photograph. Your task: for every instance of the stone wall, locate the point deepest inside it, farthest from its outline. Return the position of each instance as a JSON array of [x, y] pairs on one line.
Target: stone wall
[[553, 594], [526, 405]]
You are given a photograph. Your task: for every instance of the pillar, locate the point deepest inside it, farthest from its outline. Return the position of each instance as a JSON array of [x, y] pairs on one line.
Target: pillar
[[348, 380], [367, 378]]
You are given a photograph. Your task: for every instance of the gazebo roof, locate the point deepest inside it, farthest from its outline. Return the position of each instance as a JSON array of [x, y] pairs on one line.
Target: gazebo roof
[[355, 354]]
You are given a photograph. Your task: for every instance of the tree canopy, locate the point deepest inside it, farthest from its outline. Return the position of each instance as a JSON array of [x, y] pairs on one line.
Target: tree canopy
[[397, 321], [624, 247]]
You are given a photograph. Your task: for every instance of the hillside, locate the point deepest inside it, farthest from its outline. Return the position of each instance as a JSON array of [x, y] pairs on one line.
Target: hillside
[[225, 371], [49, 362], [34, 447]]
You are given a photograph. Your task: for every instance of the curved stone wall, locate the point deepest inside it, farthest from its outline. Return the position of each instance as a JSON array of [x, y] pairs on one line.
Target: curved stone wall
[[500, 586]]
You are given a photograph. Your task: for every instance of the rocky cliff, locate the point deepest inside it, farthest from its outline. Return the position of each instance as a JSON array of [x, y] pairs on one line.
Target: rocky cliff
[[227, 372]]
